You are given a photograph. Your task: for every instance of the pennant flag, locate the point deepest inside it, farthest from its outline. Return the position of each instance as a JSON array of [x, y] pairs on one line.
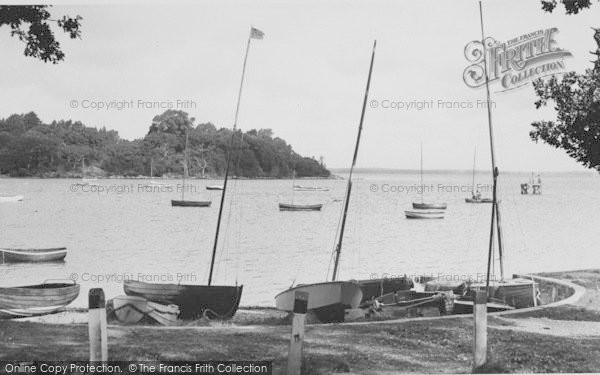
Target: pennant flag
[[256, 33]]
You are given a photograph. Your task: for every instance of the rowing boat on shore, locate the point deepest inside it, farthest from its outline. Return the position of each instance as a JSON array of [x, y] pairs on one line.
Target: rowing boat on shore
[[33, 255], [32, 300], [11, 198]]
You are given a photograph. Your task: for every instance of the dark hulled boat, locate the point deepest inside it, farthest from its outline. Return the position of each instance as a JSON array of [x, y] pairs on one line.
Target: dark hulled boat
[[299, 207], [184, 203], [194, 301]]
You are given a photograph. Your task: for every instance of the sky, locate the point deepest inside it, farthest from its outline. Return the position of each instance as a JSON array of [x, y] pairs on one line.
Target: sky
[[306, 79]]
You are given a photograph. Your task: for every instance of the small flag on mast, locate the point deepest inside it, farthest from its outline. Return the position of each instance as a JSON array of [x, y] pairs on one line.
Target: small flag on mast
[[256, 33]]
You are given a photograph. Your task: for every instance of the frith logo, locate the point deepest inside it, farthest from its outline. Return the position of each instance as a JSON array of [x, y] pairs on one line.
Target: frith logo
[[516, 62]]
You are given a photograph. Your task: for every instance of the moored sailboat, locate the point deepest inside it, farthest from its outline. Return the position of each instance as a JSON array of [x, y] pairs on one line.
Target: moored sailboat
[[183, 202], [510, 293], [298, 207], [423, 205], [475, 194], [194, 301]]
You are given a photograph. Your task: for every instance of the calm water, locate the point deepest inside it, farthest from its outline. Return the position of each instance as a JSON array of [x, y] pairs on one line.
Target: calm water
[[137, 234]]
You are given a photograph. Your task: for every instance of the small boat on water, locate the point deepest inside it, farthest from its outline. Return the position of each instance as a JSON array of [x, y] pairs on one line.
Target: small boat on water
[[327, 300], [11, 198], [181, 203], [310, 188], [57, 254], [299, 207], [422, 214], [194, 301], [429, 206], [32, 300], [476, 199], [214, 187]]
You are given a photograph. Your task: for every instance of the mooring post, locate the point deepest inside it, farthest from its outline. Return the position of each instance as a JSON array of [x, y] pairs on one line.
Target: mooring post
[[554, 293], [294, 364], [533, 290], [97, 325], [480, 336]]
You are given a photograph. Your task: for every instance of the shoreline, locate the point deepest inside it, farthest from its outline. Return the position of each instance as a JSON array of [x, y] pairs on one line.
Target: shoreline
[[554, 339]]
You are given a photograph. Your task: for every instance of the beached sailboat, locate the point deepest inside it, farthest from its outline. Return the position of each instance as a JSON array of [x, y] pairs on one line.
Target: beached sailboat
[[32, 300], [195, 301], [329, 300], [476, 196], [516, 292], [32, 255], [183, 202], [298, 207], [422, 205]]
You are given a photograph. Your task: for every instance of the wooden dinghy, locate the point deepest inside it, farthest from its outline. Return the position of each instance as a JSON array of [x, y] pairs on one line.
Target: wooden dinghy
[[11, 198], [33, 255], [194, 301], [326, 300], [429, 206], [183, 203], [32, 300], [424, 214], [214, 187], [131, 310], [310, 188], [299, 207]]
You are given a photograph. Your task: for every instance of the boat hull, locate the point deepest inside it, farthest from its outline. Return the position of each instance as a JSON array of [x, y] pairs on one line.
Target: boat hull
[[429, 206], [214, 188], [424, 214], [34, 300], [309, 188], [14, 198], [33, 255], [481, 200], [299, 207], [327, 300], [376, 288], [180, 203], [194, 301]]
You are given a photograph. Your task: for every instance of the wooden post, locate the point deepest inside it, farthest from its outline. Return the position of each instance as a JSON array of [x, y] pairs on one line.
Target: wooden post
[[480, 336], [554, 293], [97, 325], [294, 364], [533, 292]]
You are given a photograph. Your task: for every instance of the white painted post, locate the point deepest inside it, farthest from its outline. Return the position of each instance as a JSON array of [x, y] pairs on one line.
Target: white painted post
[[533, 291], [97, 325], [294, 364], [480, 336]]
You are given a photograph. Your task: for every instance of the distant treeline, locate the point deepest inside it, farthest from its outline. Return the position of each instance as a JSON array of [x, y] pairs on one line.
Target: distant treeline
[[62, 148]]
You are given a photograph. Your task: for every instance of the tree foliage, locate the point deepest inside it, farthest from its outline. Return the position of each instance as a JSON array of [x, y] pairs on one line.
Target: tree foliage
[[571, 6], [31, 24], [30, 148]]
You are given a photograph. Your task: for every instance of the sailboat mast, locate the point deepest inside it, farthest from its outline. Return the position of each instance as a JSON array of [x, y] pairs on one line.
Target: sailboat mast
[[495, 207], [474, 158], [338, 249], [185, 164], [421, 172], [237, 110]]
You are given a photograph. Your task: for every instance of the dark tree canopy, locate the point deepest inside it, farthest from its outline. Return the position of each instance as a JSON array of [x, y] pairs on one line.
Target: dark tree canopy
[[31, 24], [29, 147], [571, 6], [576, 99]]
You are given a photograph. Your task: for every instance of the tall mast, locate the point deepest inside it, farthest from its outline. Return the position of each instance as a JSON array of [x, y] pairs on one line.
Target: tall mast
[[495, 207], [237, 110], [421, 172], [185, 164], [474, 158], [338, 249]]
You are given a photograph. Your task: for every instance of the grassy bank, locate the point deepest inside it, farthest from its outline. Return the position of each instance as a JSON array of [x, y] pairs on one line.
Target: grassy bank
[[422, 346]]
